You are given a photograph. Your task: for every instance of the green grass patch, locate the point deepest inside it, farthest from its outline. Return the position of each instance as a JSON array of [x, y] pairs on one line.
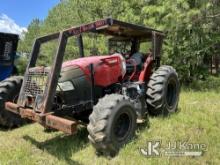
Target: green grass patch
[[197, 121]]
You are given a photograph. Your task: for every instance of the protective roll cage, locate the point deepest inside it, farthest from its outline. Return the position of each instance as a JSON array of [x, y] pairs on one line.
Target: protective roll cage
[[106, 26]]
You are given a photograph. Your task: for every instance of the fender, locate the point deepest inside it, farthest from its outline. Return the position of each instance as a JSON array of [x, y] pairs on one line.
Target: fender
[[146, 72]]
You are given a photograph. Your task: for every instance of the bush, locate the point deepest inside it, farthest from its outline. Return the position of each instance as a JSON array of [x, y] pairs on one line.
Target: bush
[[210, 83], [21, 64]]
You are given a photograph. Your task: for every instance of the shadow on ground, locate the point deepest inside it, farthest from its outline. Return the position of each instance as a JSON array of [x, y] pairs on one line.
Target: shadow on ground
[[5, 129], [63, 146]]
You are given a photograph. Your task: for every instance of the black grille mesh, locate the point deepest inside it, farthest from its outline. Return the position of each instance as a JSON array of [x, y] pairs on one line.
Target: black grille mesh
[[35, 83]]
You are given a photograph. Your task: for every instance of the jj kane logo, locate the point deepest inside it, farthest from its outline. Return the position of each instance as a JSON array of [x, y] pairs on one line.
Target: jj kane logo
[[176, 148]]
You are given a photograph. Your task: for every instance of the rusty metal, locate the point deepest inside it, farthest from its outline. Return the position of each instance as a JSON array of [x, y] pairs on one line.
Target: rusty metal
[[65, 125], [54, 75], [48, 120], [32, 62], [24, 112], [12, 107], [30, 114], [80, 43], [35, 83]]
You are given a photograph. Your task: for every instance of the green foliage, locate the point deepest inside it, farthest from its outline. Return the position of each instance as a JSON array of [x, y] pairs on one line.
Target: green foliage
[[210, 84], [189, 35], [191, 28], [33, 32], [21, 63]]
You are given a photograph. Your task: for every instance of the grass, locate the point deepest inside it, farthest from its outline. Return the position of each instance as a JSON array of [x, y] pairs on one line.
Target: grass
[[197, 121]]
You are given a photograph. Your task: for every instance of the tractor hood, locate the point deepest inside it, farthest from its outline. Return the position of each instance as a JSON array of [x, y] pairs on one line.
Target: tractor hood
[[85, 61], [75, 77], [109, 69]]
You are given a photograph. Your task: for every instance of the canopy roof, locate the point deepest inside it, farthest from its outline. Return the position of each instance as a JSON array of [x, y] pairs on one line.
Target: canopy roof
[[108, 26], [124, 29], [115, 28]]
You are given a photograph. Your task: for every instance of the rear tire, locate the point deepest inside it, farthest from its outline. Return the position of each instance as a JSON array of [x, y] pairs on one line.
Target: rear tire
[[163, 91], [9, 91], [112, 124]]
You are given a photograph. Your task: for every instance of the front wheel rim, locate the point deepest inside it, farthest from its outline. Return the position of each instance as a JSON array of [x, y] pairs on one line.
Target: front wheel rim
[[122, 126]]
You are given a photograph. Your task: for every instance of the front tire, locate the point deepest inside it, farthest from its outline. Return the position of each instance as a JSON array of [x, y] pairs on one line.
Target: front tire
[[9, 91], [112, 124], [163, 91]]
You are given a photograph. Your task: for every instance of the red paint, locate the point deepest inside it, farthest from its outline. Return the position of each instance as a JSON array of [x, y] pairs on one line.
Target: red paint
[[107, 68], [87, 27], [146, 72], [133, 62]]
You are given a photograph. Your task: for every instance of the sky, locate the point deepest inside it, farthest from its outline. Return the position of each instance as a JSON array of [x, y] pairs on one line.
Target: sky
[[16, 15]]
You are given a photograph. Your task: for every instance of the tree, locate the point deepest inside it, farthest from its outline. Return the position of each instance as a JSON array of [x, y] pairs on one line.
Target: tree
[[189, 37], [33, 31], [191, 28]]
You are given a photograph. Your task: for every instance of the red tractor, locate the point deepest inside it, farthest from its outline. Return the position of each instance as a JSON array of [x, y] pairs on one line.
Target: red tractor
[[109, 93]]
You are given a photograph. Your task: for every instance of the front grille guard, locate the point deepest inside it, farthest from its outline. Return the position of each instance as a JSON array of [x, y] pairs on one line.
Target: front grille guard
[[40, 82], [35, 84]]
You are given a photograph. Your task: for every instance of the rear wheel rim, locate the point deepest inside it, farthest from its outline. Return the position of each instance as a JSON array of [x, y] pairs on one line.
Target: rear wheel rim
[[171, 95]]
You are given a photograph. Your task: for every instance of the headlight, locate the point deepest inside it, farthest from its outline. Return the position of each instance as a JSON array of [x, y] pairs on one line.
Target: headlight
[[65, 86]]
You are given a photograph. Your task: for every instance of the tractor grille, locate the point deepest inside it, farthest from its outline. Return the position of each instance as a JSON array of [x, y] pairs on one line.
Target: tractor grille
[[36, 82], [5, 50]]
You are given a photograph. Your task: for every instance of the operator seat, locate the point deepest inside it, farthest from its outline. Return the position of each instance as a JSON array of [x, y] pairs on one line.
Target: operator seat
[[137, 59]]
